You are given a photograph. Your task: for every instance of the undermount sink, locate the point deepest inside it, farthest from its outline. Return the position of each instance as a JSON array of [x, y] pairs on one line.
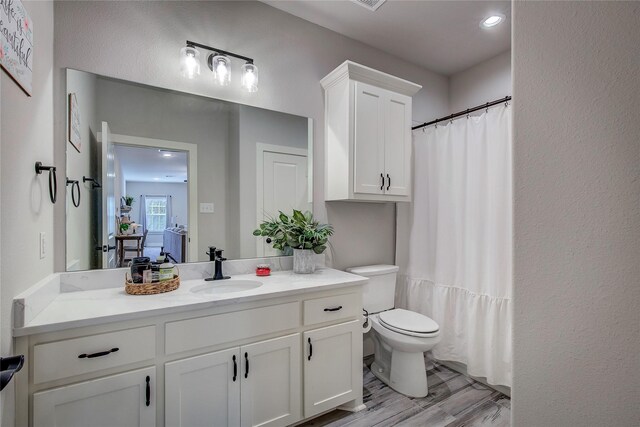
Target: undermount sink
[[217, 287]]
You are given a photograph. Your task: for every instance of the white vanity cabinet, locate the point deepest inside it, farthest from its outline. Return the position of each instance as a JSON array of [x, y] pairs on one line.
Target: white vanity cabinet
[[367, 135], [272, 361], [126, 399], [254, 385]]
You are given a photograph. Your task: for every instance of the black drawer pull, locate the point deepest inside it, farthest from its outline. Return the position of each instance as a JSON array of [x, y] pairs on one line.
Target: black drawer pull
[[235, 368], [246, 365], [338, 308], [388, 182], [99, 354], [382, 186], [148, 394], [310, 349]]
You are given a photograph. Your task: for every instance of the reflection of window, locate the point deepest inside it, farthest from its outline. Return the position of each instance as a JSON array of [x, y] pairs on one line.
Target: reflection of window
[[156, 211]]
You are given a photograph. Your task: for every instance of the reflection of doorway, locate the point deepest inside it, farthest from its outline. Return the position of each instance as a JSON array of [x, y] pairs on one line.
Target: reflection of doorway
[[281, 185], [130, 151]]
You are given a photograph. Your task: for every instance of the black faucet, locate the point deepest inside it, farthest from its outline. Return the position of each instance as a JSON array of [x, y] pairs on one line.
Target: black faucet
[[215, 255]]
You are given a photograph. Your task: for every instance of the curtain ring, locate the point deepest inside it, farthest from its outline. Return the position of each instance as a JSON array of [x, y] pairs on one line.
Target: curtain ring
[[423, 129], [467, 113], [487, 108]]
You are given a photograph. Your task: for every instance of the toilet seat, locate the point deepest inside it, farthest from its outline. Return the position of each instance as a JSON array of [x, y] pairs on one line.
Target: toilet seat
[[409, 323]]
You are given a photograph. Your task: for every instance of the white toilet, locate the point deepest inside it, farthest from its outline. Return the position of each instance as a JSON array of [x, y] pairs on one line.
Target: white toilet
[[400, 336]]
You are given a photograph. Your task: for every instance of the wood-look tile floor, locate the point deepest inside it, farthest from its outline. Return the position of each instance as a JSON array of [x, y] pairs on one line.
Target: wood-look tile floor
[[454, 400]]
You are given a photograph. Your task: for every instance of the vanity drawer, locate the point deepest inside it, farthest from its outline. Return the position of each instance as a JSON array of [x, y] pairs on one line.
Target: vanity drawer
[[192, 334], [62, 359], [332, 308]]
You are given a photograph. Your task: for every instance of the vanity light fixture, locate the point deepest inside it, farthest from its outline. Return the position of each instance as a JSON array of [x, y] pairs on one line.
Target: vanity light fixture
[[219, 62], [492, 21]]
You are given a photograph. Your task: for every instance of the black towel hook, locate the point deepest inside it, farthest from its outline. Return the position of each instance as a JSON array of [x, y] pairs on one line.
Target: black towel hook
[[75, 184], [94, 182], [53, 180]]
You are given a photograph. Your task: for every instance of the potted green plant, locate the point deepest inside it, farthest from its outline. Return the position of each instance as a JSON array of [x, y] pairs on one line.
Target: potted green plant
[[299, 232], [129, 200]]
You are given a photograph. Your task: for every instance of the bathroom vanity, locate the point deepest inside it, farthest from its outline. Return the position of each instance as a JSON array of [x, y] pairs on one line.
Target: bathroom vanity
[[239, 352]]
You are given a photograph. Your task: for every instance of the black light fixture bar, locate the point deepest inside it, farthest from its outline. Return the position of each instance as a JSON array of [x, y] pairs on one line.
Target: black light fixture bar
[[463, 113], [216, 50]]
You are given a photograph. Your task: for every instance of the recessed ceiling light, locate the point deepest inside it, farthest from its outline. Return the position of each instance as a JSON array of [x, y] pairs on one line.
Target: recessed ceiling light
[[156, 179], [492, 21]]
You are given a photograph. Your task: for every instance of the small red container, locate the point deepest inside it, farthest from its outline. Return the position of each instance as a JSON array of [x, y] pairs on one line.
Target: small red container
[[263, 270]]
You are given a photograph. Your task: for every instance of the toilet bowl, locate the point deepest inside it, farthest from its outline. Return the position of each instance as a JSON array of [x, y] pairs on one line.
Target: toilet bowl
[[400, 336], [399, 353]]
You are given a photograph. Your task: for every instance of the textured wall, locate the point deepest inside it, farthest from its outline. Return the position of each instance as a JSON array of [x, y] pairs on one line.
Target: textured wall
[[577, 214], [481, 83], [27, 136], [140, 41]]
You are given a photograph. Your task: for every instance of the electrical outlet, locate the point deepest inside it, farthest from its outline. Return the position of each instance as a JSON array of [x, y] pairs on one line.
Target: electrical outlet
[[43, 245], [206, 208]]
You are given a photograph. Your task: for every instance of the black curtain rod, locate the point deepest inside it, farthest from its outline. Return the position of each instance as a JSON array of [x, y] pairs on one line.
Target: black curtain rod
[[463, 113]]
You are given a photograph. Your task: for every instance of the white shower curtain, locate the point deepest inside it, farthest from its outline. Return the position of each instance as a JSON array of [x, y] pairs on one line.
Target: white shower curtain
[[454, 242]]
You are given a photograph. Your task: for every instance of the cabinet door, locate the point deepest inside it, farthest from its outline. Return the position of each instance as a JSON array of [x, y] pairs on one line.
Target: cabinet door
[[397, 157], [368, 162], [203, 390], [271, 388], [123, 400], [332, 366]]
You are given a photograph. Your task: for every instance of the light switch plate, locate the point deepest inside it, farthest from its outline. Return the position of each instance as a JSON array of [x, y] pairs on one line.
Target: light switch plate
[[206, 207], [43, 245]]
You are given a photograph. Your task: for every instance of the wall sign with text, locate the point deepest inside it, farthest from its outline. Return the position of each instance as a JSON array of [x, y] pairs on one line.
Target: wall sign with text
[[16, 43]]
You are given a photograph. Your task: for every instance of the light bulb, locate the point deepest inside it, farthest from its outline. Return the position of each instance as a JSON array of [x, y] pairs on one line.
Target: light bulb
[[221, 66], [189, 62], [250, 77]]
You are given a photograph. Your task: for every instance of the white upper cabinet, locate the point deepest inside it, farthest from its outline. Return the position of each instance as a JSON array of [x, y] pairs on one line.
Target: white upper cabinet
[[367, 135]]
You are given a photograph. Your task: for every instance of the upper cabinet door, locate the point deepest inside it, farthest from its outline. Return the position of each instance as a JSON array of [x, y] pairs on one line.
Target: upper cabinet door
[[332, 366], [203, 390], [118, 400], [271, 383], [397, 145], [369, 136]]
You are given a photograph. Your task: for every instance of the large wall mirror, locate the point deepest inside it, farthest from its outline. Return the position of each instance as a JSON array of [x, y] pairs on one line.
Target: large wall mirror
[[150, 169]]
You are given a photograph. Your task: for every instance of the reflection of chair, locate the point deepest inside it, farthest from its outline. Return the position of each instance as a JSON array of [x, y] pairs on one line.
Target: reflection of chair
[[138, 248]]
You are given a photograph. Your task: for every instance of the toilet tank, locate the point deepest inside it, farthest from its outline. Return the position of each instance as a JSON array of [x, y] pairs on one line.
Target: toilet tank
[[380, 293]]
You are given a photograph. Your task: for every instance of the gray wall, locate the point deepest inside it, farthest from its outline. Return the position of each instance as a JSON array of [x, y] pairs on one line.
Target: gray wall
[[140, 41], [576, 335], [481, 83], [27, 136]]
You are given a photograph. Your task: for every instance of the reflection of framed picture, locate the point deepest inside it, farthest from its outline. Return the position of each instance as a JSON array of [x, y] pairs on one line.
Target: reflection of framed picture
[[16, 45], [75, 137]]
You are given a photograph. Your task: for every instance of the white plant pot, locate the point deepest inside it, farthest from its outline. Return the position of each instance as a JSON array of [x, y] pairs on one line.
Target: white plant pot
[[303, 262]]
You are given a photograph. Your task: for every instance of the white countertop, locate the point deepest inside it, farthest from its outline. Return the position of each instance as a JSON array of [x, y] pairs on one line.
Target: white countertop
[[93, 307]]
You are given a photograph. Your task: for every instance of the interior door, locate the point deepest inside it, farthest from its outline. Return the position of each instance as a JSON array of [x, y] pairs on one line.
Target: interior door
[[369, 139], [284, 188], [203, 390], [271, 383], [118, 400], [332, 366], [397, 145], [108, 199]]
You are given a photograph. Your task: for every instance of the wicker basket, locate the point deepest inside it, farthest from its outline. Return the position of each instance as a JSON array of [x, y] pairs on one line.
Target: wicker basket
[[151, 288]]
